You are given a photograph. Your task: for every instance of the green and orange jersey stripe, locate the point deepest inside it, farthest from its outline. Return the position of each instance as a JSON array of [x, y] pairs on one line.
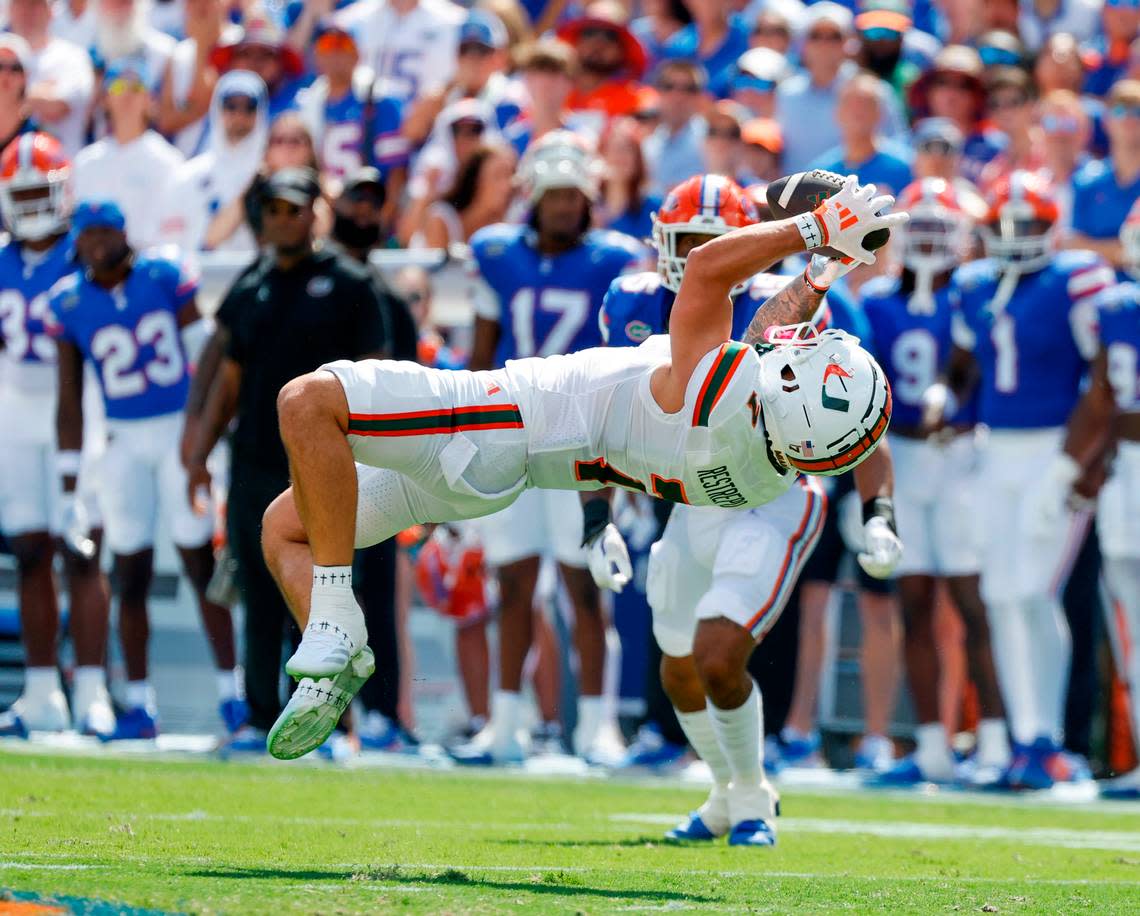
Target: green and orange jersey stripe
[[724, 366], [436, 422]]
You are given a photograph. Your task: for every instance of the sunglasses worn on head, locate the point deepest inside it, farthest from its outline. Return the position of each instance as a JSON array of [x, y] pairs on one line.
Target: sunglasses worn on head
[[11, 67], [239, 104], [123, 85]]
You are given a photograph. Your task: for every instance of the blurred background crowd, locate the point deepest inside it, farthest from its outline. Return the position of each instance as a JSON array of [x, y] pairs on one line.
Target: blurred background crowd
[[403, 123]]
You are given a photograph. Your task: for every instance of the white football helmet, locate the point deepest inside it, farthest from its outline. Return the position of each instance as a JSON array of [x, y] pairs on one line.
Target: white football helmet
[[35, 181], [827, 403], [560, 159], [1130, 241]]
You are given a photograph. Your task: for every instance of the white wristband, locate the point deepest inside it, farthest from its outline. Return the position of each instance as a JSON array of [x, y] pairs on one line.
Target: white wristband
[[67, 463], [809, 230]]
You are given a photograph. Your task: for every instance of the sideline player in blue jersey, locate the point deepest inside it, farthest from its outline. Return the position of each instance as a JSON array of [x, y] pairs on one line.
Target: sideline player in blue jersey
[[935, 480], [124, 313], [537, 292], [1108, 420], [1024, 333], [33, 201], [713, 562]]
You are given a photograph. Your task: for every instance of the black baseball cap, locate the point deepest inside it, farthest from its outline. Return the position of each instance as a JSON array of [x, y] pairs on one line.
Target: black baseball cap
[[298, 186]]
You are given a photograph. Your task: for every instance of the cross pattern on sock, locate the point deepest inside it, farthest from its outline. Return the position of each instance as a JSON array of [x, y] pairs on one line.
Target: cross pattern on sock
[[329, 578]]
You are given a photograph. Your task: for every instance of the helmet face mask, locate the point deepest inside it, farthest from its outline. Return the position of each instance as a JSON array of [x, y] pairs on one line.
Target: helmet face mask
[[934, 240], [826, 401], [1020, 232], [35, 199]]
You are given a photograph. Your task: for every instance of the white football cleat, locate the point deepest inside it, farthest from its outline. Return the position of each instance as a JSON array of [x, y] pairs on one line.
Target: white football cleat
[[315, 708], [46, 713], [93, 714], [327, 645]]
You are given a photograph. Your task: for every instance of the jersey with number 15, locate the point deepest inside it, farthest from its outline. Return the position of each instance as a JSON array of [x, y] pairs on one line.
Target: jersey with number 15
[[1033, 352], [131, 334], [546, 305]]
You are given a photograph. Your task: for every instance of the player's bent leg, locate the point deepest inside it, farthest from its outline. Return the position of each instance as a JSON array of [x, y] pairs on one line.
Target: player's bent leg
[[312, 412]]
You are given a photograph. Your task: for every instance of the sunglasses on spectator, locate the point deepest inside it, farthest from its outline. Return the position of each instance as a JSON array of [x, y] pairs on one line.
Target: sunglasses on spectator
[[688, 88], [771, 31], [952, 82], [11, 67], [467, 129], [366, 194], [605, 34], [881, 34], [239, 104], [474, 47], [647, 115], [724, 133], [288, 140], [936, 148], [832, 37], [1059, 124], [994, 57], [1003, 102], [277, 207], [124, 85], [415, 297], [331, 42], [1125, 111], [746, 81]]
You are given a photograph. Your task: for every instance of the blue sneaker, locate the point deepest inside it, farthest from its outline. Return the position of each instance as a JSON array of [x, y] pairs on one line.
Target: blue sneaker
[[246, 740], [133, 725], [774, 761], [651, 750], [752, 833], [875, 753], [692, 829], [234, 713], [905, 772], [379, 733], [12, 726], [1028, 769], [801, 751]]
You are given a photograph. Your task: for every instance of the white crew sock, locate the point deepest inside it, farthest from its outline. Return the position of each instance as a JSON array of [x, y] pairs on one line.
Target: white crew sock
[[41, 683], [505, 712], [332, 599], [141, 694], [698, 728], [230, 686], [591, 711], [932, 752], [1052, 649], [90, 680], [1010, 639], [992, 744], [740, 734]]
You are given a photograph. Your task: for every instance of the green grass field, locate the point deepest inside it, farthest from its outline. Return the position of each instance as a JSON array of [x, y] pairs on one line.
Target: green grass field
[[266, 838]]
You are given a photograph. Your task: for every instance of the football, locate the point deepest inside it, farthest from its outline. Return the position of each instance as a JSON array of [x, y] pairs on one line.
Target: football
[[804, 191]]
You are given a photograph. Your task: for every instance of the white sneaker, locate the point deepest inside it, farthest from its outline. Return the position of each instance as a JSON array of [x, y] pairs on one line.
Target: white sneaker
[[316, 706], [607, 749], [328, 645], [47, 713], [876, 753], [93, 714], [488, 748]]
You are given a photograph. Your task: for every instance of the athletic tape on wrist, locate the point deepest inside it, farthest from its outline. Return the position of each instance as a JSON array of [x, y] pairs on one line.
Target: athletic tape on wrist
[[880, 507], [811, 230], [67, 463], [595, 517]]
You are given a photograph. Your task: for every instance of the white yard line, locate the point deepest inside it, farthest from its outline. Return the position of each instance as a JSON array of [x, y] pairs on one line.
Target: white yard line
[[1118, 840]]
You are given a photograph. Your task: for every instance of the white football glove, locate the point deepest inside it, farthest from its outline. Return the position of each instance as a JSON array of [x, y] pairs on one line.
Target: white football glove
[[1049, 504], [882, 548], [845, 218], [74, 526], [608, 559], [821, 271]]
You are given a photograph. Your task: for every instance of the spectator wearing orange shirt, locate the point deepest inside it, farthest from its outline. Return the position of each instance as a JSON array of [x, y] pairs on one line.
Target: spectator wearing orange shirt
[[610, 62]]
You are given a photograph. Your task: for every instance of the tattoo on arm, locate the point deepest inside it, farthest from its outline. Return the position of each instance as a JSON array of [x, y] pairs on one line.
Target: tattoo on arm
[[795, 303]]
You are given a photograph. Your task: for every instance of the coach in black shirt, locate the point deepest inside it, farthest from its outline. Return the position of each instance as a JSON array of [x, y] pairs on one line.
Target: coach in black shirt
[[299, 307]]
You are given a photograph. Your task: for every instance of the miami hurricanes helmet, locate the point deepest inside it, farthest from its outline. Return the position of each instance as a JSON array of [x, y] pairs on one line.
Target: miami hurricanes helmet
[[702, 205], [938, 233], [34, 183], [560, 159], [827, 403], [1021, 221], [1130, 241]]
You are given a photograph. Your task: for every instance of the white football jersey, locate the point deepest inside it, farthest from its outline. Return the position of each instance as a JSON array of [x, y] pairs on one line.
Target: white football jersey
[[592, 421], [411, 54]]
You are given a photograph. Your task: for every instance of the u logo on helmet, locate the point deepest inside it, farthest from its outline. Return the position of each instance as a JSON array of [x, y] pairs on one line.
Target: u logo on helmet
[[830, 401]]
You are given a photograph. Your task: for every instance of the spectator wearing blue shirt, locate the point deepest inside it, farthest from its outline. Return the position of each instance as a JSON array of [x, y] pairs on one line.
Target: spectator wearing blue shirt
[[662, 21], [624, 204], [714, 39], [755, 78], [1104, 190], [675, 149], [1120, 22], [862, 151], [806, 102]]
